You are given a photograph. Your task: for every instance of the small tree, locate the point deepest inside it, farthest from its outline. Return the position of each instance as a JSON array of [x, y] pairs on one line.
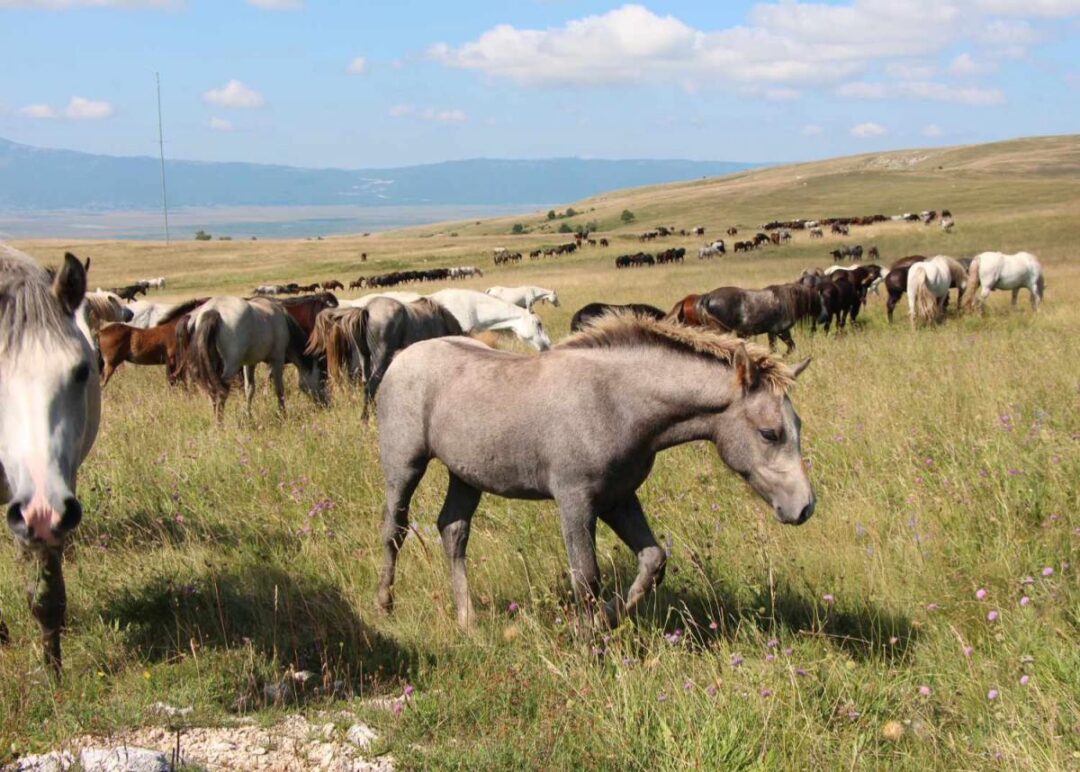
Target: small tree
[[570, 211], [565, 228], [518, 229], [627, 216], [551, 214], [201, 235]]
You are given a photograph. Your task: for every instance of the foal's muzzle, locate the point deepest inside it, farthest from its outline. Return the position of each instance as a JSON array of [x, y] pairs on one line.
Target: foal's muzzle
[[69, 520]]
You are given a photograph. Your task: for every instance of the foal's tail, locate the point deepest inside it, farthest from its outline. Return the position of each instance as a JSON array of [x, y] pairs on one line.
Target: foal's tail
[[925, 305], [203, 356], [972, 284]]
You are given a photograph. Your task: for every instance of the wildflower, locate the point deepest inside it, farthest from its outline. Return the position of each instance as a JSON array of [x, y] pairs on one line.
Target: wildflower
[[770, 657], [892, 731], [801, 672], [674, 637], [932, 607], [736, 660], [688, 685], [180, 519], [828, 598], [980, 593], [766, 692], [397, 707], [968, 651], [513, 607], [1048, 571], [661, 697], [893, 640], [408, 691], [992, 695], [1028, 580], [1024, 679], [772, 643], [924, 691], [1025, 601], [714, 625], [992, 616], [788, 651], [1015, 472], [711, 690]]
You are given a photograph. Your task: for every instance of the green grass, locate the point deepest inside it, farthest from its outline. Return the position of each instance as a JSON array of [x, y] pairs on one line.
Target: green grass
[[945, 461]]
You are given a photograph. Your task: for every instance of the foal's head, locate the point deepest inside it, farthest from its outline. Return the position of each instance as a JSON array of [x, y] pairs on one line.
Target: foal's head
[[759, 439], [45, 377]]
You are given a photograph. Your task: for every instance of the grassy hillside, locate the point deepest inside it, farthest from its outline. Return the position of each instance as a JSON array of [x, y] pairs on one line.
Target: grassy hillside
[[213, 561]]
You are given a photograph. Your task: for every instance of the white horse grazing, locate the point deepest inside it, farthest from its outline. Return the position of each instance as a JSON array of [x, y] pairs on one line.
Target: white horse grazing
[[226, 334], [928, 285], [361, 302], [991, 271], [476, 312], [50, 408], [524, 297]]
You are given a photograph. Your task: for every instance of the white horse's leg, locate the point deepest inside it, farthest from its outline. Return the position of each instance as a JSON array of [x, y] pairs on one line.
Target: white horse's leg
[[1015, 296], [454, 522], [249, 386]]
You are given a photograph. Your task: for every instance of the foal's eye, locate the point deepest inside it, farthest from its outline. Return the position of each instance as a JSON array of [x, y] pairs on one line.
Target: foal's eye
[[81, 373], [769, 435]]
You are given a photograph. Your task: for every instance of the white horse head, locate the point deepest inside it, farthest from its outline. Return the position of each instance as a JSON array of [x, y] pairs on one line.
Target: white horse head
[[529, 328], [49, 396]]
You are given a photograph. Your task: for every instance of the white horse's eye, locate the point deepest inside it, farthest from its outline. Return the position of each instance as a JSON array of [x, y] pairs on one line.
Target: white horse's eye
[[81, 373]]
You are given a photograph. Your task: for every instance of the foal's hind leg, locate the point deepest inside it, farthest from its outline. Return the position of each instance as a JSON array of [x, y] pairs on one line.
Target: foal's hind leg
[[400, 485], [455, 521], [249, 386], [628, 522]]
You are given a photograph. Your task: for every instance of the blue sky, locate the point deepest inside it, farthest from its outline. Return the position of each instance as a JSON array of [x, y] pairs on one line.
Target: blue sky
[[361, 84]]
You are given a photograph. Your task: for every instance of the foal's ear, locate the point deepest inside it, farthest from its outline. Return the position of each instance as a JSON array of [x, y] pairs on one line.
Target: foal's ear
[[69, 284], [86, 265], [745, 369], [797, 369]]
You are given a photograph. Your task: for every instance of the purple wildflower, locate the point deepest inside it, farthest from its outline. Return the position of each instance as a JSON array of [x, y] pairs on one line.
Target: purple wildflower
[[1048, 571], [408, 691], [828, 598], [714, 625], [688, 685], [770, 657], [772, 643], [992, 694], [968, 651], [711, 690], [801, 672], [1025, 601], [397, 707], [766, 692], [788, 651], [924, 691], [980, 593], [661, 697], [736, 660], [513, 608], [992, 616], [1024, 679], [674, 637], [893, 640], [932, 607]]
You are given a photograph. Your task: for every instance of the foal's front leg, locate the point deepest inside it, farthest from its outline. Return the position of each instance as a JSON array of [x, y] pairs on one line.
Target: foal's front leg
[[628, 522], [47, 597], [577, 517], [454, 523]]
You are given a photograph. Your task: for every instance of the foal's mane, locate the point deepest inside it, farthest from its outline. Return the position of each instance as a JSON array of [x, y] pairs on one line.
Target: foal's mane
[[26, 301], [628, 330]]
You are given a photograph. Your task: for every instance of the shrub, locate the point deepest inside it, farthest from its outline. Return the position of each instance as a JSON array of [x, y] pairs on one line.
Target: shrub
[[518, 229], [201, 235], [627, 216], [565, 228], [551, 214]]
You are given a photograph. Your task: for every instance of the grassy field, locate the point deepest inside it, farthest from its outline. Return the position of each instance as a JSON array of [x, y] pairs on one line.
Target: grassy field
[[212, 561]]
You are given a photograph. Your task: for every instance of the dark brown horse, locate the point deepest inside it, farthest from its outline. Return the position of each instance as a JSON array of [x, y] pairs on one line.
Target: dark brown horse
[[304, 309], [896, 281], [771, 311], [588, 313], [158, 345]]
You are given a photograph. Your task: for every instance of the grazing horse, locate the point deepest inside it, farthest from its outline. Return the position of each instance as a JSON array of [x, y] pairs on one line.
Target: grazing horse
[[523, 297], [547, 427], [157, 345], [991, 271], [773, 310], [895, 280], [50, 408], [383, 329], [333, 284], [361, 302], [477, 312], [928, 287], [305, 309], [226, 334], [586, 314]]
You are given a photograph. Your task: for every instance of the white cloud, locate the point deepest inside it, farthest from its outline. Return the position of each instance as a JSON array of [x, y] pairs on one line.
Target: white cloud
[[358, 66], [928, 90], [78, 109], [1048, 8], [235, 94], [782, 94], [811, 130], [932, 130], [277, 5], [220, 124], [965, 65], [910, 70], [38, 111], [428, 114], [868, 129], [83, 109], [59, 5]]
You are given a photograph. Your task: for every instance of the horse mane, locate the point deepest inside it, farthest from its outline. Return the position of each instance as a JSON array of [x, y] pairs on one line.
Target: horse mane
[[796, 300], [179, 310], [620, 329], [103, 306], [27, 302]]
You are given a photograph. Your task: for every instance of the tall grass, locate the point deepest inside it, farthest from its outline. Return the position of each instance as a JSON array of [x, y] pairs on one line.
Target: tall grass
[[213, 561]]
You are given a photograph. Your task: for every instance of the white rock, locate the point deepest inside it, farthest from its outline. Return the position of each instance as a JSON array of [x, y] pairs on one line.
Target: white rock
[[128, 759], [57, 761], [361, 735]]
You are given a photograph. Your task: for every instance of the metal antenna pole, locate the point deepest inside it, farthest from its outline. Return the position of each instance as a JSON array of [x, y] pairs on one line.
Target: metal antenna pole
[[161, 148]]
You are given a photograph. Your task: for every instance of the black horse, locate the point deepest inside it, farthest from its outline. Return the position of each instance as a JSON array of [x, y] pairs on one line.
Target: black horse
[[771, 311], [586, 314], [896, 281]]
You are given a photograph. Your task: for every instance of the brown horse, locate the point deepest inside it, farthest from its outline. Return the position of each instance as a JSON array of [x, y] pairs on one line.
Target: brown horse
[[305, 309], [686, 311], [772, 311], [158, 345], [896, 281]]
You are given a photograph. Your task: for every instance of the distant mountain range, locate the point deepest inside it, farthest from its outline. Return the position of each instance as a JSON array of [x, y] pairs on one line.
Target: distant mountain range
[[40, 179]]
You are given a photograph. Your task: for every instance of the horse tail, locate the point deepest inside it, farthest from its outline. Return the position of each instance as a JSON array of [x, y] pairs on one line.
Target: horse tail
[[337, 349], [363, 345], [205, 359], [1040, 282], [177, 368], [972, 284], [925, 304]]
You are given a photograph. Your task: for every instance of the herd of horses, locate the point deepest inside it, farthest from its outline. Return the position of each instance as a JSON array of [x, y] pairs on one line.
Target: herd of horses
[[438, 390]]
